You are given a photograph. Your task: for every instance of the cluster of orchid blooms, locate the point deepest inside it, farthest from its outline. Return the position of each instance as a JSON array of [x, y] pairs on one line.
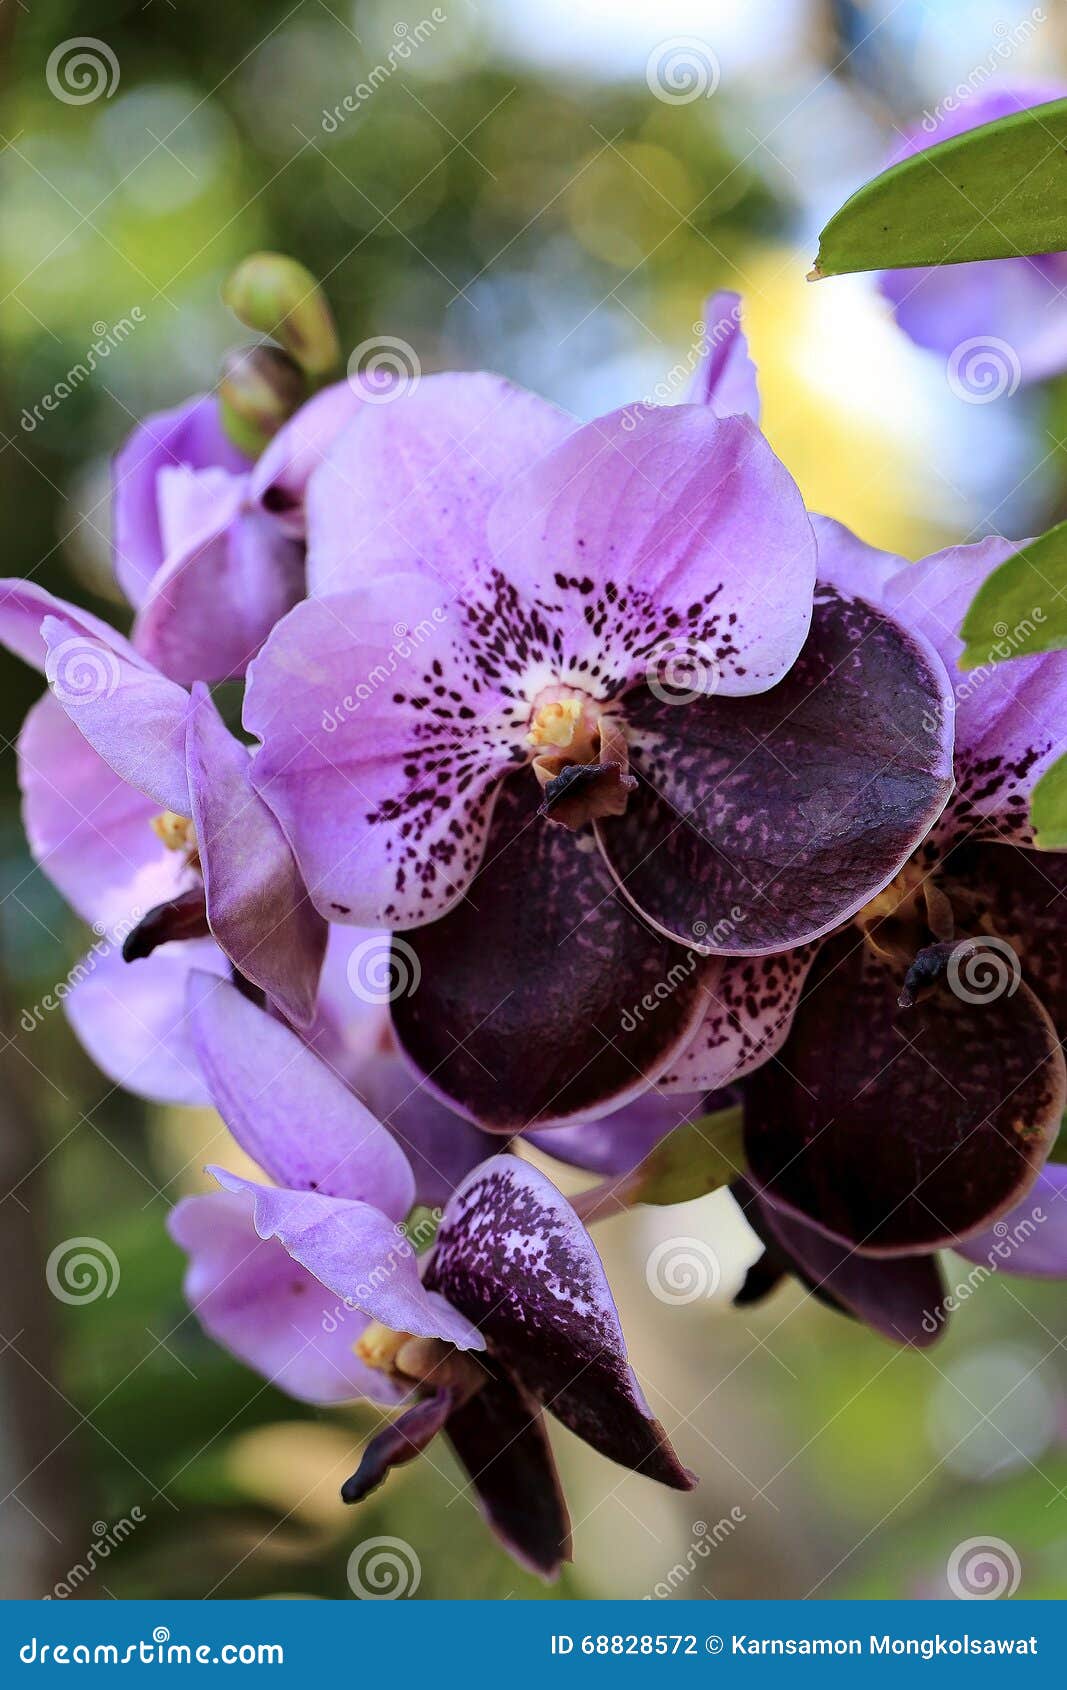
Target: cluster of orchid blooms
[[803, 831]]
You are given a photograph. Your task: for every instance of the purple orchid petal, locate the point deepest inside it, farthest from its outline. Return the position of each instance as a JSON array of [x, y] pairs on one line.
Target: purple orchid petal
[[513, 1256], [258, 908], [1017, 301], [973, 1084], [398, 1443], [440, 1145], [502, 1442], [254, 1300], [281, 473], [725, 378], [190, 436], [749, 1013], [88, 830], [286, 1109], [212, 604], [131, 1019], [616, 1143], [358, 1253], [1030, 1239], [131, 715], [902, 1299], [854, 568], [23, 608], [650, 526], [542, 958], [1009, 715], [384, 740], [760, 824], [412, 482]]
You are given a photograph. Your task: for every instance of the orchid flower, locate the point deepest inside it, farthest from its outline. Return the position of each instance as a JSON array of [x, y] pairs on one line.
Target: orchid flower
[[314, 1282], [138, 805], [209, 546], [561, 712], [995, 309]]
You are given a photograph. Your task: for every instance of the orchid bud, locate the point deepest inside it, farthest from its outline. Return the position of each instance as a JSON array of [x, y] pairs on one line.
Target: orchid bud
[[260, 389], [279, 297]]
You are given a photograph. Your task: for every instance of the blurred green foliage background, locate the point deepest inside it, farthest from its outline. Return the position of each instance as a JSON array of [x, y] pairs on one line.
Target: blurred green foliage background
[[513, 196]]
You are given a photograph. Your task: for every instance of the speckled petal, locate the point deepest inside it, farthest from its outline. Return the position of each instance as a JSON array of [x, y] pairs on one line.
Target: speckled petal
[[286, 1109], [257, 904], [901, 1298], [385, 734], [502, 1442], [1021, 896], [749, 1013], [762, 823], [659, 526], [267, 1310], [410, 483], [970, 1080], [512, 1255], [541, 999]]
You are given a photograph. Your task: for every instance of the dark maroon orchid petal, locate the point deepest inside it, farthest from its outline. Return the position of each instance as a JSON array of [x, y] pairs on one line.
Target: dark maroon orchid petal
[[750, 1010], [901, 1298], [541, 998], [513, 1256], [181, 917], [399, 1442], [259, 910], [1019, 896], [899, 1130], [761, 1279], [501, 1440], [764, 822]]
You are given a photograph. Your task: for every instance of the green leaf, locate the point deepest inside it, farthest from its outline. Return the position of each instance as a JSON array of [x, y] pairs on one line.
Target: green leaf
[[697, 1157], [996, 192], [1048, 808], [1058, 1153], [1021, 608]]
